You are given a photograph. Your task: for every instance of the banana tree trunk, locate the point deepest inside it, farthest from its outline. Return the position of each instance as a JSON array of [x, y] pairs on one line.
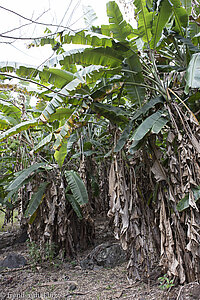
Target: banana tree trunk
[[153, 200], [57, 224]]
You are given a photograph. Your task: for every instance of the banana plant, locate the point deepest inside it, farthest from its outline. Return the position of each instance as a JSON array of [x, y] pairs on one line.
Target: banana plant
[[140, 82], [76, 192]]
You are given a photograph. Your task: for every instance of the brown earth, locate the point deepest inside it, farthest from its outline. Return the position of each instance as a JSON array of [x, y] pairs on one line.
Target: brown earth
[[67, 280]]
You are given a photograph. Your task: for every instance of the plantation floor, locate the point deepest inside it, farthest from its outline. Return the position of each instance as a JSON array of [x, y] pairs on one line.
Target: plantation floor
[[67, 280]]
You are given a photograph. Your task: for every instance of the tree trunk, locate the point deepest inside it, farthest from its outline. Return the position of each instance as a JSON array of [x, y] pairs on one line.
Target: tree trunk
[[57, 224], [144, 194]]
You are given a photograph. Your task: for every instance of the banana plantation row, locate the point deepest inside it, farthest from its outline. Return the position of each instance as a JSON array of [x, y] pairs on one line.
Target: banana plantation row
[[115, 131]]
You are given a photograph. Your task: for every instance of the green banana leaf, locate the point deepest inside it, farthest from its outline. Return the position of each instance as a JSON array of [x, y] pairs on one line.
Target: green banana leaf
[[115, 114], [127, 130], [89, 56], [154, 123], [105, 90], [10, 111], [65, 132], [16, 183], [18, 128], [193, 73], [147, 106], [61, 114], [92, 73], [118, 26], [77, 187], [194, 33], [75, 205], [184, 203], [71, 140], [36, 200], [162, 16], [23, 70], [144, 128], [133, 73], [144, 19], [180, 15], [136, 145], [42, 143], [10, 196], [50, 109], [4, 121], [187, 4], [146, 125], [188, 43], [60, 154], [124, 137], [86, 38], [83, 37], [57, 77], [159, 124]]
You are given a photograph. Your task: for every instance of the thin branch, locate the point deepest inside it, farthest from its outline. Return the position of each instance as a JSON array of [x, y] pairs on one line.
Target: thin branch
[[76, 6], [38, 23], [57, 283], [44, 62], [35, 22], [11, 44], [65, 13], [26, 79], [10, 102], [16, 28], [197, 112], [28, 38]]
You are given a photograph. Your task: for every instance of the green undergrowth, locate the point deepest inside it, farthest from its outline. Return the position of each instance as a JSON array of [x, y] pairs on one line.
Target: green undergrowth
[[10, 225]]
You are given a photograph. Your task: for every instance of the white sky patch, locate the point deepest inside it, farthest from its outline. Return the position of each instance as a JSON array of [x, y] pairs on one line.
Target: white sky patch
[[16, 22], [67, 13], [63, 13]]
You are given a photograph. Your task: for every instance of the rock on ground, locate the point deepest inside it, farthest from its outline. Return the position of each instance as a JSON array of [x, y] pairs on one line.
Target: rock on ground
[[12, 261]]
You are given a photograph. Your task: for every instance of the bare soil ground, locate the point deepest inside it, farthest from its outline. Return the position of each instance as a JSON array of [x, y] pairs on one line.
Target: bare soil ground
[[67, 280]]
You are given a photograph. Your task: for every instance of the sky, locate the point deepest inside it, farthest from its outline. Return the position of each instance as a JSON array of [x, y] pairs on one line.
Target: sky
[[15, 23], [65, 12]]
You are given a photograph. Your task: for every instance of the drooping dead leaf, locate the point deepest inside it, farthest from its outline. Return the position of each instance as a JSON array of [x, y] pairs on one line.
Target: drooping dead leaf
[[158, 171]]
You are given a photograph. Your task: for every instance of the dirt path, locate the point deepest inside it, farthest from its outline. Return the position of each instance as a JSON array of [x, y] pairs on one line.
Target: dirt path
[[74, 283], [67, 280]]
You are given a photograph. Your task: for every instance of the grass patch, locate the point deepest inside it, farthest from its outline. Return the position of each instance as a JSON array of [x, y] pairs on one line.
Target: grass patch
[[1, 219], [8, 226]]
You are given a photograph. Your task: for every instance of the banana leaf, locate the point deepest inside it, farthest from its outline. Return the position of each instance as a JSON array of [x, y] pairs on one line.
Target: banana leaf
[[133, 73], [116, 115], [118, 26], [144, 18], [36, 200], [75, 205], [193, 73], [42, 143], [184, 203], [18, 128], [60, 154], [16, 183], [159, 22], [77, 187], [127, 130]]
